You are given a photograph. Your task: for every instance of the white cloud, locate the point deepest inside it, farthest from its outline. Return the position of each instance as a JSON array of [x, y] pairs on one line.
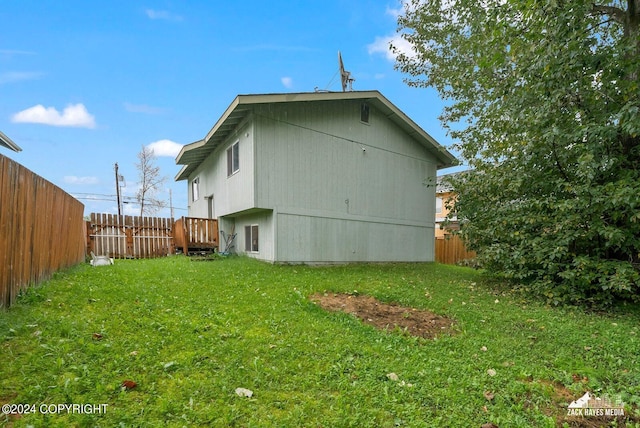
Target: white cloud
[[382, 45], [72, 179], [13, 52], [130, 209], [165, 148], [287, 82], [143, 108], [75, 115], [18, 76], [162, 14], [395, 12]]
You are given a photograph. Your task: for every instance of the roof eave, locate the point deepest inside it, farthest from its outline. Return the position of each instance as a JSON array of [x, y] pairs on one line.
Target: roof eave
[[444, 157], [182, 174], [8, 143], [192, 155]]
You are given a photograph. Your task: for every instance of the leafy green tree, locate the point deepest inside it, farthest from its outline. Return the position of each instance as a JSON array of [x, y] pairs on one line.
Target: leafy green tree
[[543, 98]]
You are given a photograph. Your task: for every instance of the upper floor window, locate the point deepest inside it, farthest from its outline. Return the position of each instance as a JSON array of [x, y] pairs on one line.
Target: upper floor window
[[233, 159], [195, 189], [438, 205], [364, 113]]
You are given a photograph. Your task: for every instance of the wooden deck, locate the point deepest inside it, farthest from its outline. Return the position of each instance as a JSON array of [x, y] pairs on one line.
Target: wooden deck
[[193, 234]]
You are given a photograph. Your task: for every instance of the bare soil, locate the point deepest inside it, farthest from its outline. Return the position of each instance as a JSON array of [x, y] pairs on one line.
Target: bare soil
[[387, 316]]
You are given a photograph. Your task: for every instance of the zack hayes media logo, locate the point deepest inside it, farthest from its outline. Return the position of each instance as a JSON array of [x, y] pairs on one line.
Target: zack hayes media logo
[[590, 405]]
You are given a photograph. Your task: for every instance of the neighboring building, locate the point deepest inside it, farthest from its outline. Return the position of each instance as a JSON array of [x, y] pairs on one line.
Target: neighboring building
[[323, 177], [6, 142], [444, 193]]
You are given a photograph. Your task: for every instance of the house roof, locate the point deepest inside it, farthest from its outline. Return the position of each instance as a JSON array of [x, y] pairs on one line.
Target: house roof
[[443, 185], [6, 142], [192, 155]]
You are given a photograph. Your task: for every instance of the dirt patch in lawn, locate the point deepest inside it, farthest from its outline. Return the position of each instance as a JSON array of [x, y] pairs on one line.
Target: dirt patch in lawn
[[387, 316]]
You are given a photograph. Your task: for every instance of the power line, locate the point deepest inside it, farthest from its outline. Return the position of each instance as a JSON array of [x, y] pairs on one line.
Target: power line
[[132, 202]]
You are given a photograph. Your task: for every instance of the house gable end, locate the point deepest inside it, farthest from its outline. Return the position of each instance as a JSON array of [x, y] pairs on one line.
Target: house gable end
[[192, 155]]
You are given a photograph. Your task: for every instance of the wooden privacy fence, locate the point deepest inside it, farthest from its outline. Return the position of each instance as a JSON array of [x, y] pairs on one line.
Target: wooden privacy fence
[[146, 237], [41, 230], [196, 234], [451, 250], [122, 237]]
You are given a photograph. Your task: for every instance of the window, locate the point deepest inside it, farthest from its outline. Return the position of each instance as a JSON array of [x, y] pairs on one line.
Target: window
[[251, 238], [364, 112], [210, 211], [195, 189], [438, 205], [233, 159]]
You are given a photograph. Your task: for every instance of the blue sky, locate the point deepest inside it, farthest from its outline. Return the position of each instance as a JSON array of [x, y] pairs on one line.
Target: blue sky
[[84, 85]]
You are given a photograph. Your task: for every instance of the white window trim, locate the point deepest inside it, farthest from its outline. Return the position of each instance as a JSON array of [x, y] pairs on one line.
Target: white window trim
[[195, 189], [249, 238], [231, 162]]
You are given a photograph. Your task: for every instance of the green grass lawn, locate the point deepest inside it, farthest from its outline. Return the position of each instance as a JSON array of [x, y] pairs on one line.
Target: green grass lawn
[[189, 333]]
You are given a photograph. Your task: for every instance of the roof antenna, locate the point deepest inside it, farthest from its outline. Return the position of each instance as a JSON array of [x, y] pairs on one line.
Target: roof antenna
[[345, 76]]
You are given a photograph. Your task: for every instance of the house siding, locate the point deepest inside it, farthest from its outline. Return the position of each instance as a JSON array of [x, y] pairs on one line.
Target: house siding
[[264, 221], [335, 201], [311, 156], [307, 238], [231, 193]]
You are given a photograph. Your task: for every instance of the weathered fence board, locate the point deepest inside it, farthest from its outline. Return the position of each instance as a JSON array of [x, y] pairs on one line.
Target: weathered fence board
[[122, 237], [196, 234], [41, 230], [451, 250]]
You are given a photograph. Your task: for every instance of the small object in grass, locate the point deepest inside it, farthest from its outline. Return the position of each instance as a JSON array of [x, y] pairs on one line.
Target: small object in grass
[[579, 379], [244, 392], [97, 336], [392, 376], [128, 384], [491, 372], [483, 349], [489, 425], [488, 395], [133, 353]]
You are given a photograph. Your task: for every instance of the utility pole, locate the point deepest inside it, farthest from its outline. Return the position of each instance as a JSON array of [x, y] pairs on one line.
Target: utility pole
[[171, 203], [118, 189]]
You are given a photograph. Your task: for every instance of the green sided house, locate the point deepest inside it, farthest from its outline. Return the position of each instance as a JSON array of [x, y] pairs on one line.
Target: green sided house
[[322, 177]]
